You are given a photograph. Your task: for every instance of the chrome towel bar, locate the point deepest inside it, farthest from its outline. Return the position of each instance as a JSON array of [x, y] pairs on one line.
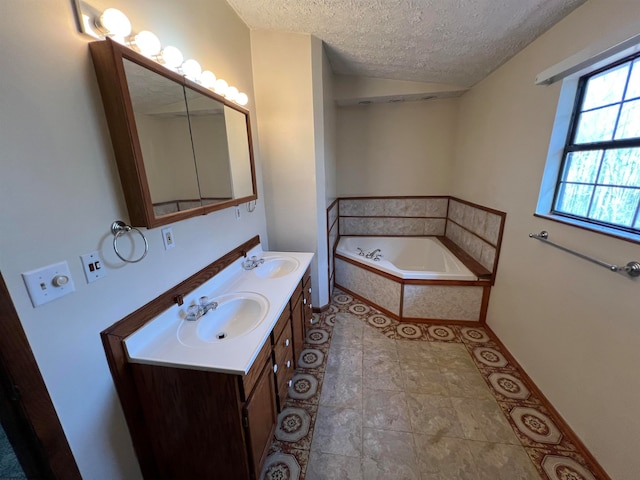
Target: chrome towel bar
[[632, 268]]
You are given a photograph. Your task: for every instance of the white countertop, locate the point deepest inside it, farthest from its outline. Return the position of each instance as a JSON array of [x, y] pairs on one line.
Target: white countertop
[[157, 342]]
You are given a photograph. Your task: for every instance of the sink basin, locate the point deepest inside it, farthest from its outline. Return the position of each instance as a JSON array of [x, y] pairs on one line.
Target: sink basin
[[236, 315], [274, 267]]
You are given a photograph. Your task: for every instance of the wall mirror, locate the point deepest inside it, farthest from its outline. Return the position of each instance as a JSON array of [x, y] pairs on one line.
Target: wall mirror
[[181, 149]]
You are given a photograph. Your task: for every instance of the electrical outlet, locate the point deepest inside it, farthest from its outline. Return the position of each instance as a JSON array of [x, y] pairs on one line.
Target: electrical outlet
[[93, 267], [48, 283], [167, 238], [237, 212]]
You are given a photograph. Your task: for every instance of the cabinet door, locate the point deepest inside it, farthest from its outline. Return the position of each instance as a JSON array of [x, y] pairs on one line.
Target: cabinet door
[[260, 418], [297, 327]]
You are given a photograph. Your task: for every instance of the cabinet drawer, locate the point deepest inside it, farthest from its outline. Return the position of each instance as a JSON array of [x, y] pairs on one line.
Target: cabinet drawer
[[284, 343], [296, 295], [298, 329], [283, 377], [307, 306], [249, 380], [306, 278], [282, 322]]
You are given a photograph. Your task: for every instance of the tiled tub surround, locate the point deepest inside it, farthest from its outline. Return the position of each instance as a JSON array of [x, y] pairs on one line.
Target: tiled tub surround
[[473, 228], [374, 398], [433, 301], [472, 232], [393, 216]]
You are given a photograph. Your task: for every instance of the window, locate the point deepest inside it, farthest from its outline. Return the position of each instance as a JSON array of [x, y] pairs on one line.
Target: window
[[599, 180]]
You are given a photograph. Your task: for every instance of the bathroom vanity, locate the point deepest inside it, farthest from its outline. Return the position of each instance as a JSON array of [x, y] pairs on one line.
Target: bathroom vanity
[[201, 406]]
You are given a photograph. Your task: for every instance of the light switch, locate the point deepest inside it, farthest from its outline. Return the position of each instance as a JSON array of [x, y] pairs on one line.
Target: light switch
[[48, 283], [92, 266]]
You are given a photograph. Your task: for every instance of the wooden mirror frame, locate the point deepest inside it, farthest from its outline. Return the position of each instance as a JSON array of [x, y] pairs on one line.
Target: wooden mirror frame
[[108, 57]]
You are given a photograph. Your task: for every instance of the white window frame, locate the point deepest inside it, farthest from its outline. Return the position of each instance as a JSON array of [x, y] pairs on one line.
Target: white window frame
[[569, 72]]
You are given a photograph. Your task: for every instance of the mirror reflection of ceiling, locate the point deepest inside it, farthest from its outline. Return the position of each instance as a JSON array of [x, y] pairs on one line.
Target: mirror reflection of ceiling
[[455, 42], [153, 94]]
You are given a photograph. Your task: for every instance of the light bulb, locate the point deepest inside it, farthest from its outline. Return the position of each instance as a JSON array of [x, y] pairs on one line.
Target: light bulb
[[147, 43], [171, 57], [231, 93], [191, 69], [221, 86], [114, 22], [242, 99], [208, 79]]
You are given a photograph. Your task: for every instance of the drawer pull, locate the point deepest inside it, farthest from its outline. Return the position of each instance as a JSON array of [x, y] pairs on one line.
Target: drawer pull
[[286, 342], [288, 363], [290, 382], [311, 321], [309, 289], [275, 368], [304, 300], [310, 306]]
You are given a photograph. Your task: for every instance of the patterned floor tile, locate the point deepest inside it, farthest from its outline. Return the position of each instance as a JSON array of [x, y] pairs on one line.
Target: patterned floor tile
[[413, 401]]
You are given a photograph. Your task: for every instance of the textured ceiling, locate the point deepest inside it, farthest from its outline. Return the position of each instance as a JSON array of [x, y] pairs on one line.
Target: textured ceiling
[[456, 42]]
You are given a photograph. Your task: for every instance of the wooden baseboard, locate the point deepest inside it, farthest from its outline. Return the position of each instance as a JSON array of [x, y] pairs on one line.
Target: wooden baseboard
[[557, 418]]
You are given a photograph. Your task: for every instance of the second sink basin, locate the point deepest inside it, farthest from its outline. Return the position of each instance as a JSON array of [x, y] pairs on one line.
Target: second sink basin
[[236, 315], [274, 267]]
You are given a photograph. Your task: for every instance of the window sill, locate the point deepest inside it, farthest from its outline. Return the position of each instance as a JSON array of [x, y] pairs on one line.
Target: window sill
[[610, 232]]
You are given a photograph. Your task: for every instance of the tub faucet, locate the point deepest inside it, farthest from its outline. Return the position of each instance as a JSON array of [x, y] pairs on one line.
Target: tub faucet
[[251, 263], [360, 251], [377, 257], [372, 254]]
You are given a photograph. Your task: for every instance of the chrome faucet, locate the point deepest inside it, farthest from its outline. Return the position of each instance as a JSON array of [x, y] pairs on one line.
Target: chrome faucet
[[251, 263], [194, 312], [360, 251], [372, 254]]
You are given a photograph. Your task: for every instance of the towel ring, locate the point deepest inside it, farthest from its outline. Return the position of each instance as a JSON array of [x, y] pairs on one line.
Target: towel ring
[[119, 228]]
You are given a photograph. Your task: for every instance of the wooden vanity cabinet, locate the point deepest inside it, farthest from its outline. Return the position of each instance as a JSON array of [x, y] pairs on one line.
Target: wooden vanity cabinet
[[205, 424], [306, 300], [259, 417], [283, 362], [301, 314]]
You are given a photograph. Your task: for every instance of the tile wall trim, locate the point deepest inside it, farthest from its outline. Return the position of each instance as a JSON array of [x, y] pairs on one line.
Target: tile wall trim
[[557, 418]]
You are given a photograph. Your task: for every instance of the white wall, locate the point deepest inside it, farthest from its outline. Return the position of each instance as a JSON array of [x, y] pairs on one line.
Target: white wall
[[571, 324], [60, 192], [330, 130], [396, 148], [288, 86]]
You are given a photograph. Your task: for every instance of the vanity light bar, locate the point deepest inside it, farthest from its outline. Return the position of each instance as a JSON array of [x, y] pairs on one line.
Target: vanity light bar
[[115, 24]]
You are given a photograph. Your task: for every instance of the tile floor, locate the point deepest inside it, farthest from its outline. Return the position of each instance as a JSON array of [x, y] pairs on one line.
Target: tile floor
[[373, 398]]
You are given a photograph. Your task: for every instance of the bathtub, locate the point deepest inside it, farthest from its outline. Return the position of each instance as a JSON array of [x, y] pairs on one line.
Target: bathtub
[[419, 258], [417, 279]]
